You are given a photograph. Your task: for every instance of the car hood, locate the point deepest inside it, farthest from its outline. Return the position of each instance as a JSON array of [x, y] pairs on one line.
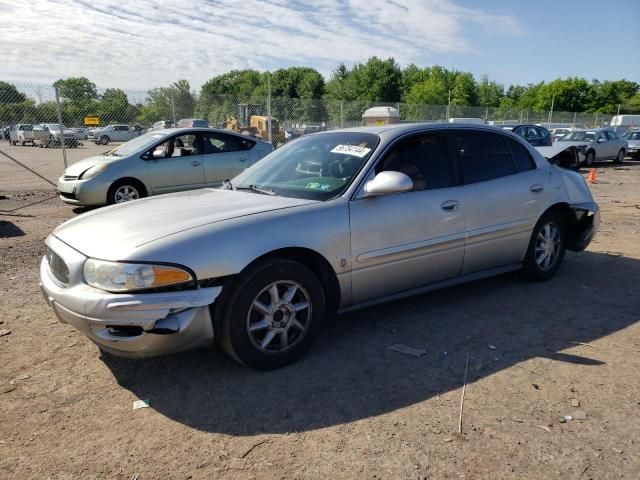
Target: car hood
[[570, 143], [633, 143], [114, 233], [77, 168]]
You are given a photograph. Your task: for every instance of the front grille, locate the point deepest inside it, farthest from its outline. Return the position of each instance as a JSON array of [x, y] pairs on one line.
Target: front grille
[[57, 266], [68, 178]]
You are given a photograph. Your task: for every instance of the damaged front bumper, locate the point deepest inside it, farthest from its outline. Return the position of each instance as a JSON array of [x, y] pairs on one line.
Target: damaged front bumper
[[132, 324], [583, 225]]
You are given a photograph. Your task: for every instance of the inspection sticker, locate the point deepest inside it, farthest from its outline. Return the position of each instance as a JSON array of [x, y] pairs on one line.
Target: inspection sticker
[[354, 150]]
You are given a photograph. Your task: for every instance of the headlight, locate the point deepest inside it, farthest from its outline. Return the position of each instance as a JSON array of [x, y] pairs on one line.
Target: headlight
[[93, 171], [124, 277]]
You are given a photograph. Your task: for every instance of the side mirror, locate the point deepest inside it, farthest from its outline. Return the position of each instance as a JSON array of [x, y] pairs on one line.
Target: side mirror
[[388, 182], [158, 154], [602, 140]]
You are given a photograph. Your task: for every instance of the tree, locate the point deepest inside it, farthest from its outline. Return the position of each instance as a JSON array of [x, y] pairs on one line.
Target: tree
[[432, 91], [10, 94], [163, 102], [114, 106], [464, 91], [76, 89], [489, 92]]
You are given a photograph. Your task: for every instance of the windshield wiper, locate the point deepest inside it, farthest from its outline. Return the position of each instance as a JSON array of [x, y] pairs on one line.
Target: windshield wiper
[[253, 188]]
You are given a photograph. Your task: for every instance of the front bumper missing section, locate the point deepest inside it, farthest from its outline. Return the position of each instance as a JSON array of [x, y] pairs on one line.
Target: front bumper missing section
[[583, 225], [136, 324]]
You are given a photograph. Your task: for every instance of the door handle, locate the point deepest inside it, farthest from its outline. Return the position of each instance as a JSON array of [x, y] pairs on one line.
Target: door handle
[[537, 188], [195, 163], [450, 205], [242, 159]]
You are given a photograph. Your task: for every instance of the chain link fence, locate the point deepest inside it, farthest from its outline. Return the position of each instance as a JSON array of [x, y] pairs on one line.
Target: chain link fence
[[43, 130]]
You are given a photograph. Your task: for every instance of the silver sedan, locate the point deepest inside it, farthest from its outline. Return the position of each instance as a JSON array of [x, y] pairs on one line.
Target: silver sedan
[[160, 161], [328, 223]]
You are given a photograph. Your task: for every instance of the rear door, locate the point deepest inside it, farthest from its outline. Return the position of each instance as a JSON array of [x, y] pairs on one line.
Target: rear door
[[407, 240], [503, 194], [224, 156], [182, 167]]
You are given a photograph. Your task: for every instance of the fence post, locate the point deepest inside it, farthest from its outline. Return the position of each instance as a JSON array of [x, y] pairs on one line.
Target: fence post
[[60, 126], [341, 113], [269, 108], [574, 119], [173, 109]]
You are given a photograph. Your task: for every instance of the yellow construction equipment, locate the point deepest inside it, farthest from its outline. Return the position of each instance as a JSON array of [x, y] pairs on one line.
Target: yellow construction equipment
[[255, 125]]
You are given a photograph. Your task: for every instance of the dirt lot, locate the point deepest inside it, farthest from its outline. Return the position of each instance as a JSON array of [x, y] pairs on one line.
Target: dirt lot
[[351, 408]]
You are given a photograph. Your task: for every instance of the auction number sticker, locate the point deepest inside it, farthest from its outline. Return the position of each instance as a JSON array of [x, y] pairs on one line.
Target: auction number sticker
[[354, 150]]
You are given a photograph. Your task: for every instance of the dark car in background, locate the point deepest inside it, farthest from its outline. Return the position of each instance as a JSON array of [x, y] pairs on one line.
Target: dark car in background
[[534, 134]]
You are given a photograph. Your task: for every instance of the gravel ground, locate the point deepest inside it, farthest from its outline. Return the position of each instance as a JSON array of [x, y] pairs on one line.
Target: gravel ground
[[351, 408]]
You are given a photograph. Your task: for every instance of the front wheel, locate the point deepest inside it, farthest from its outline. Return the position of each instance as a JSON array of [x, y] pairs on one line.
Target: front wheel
[[272, 314], [546, 247], [620, 157], [590, 157], [124, 191], [104, 140]]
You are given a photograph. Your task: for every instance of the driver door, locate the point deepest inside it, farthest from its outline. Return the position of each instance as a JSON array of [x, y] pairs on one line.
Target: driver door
[[179, 169], [406, 240]]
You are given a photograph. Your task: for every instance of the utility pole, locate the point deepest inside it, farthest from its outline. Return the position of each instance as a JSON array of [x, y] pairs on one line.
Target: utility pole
[[553, 98], [269, 107], [61, 127]]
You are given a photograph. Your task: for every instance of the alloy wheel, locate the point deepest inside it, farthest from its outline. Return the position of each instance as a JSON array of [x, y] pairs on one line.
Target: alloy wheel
[[279, 317], [125, 193], [547, 246]]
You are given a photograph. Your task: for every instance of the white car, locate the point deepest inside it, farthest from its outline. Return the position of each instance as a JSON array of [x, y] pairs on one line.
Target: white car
[[21, 133], [113, 133]]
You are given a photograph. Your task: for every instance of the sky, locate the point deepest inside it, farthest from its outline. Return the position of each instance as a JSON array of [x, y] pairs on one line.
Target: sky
[[137, 45]]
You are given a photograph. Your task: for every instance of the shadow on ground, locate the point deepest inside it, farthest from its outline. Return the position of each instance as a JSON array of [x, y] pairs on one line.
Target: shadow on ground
[[9, 229], [350, 374]]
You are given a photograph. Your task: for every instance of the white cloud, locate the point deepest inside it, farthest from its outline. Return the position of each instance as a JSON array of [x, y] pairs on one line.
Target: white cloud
[[141, 44]]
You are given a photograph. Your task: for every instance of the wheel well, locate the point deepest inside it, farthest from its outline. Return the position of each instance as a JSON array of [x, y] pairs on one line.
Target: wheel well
[[140, 184], [574, 225], [317, 264]]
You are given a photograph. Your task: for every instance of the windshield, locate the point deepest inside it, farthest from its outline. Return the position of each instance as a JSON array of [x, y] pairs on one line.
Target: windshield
[[318, 167], [137, 145], [579, 137], [631, 136]]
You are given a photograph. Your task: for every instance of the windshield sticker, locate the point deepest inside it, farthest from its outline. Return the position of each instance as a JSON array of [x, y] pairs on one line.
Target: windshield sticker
[[354, 150], [318, 186]]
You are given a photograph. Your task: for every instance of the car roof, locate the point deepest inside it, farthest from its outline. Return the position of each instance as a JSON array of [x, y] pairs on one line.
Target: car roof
[[173, 131]]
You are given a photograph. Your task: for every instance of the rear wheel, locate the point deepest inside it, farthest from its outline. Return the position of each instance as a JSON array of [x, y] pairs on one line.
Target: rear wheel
[[620, 157], [546, 247], [104, 140], [272, 314], [589, 158], [125, 190]]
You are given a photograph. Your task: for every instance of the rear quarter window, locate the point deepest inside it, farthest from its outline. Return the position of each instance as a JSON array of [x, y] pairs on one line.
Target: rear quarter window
[[521, 157]]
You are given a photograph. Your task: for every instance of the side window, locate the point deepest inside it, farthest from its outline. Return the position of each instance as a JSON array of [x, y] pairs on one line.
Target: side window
[[521, 157], [540, 133], [521, 132], [483, 156], [611, 135], [424, 158], [221, 143]]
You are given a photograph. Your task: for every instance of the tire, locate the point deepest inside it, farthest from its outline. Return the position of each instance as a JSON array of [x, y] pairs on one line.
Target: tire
[[589, 158], [104, 140], [620, 157], [543, 258], [280, 334], [125, 190]]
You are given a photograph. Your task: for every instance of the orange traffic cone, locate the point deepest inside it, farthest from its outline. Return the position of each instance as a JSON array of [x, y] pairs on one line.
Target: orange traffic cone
[[592, 176]]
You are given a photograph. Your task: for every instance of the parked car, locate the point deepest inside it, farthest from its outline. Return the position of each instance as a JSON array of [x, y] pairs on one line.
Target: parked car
[[22, 133], [82, 133], [534, 134], [633, 141], [112, 133], [558, 133], [597, 144], [192, 123], [49, 135], [161, 125], [393, 211], [158, 162]]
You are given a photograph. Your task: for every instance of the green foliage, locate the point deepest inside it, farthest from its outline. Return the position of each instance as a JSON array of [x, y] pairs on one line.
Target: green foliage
[[490, 93], [10, 94], [162, 102], [76, 89]]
